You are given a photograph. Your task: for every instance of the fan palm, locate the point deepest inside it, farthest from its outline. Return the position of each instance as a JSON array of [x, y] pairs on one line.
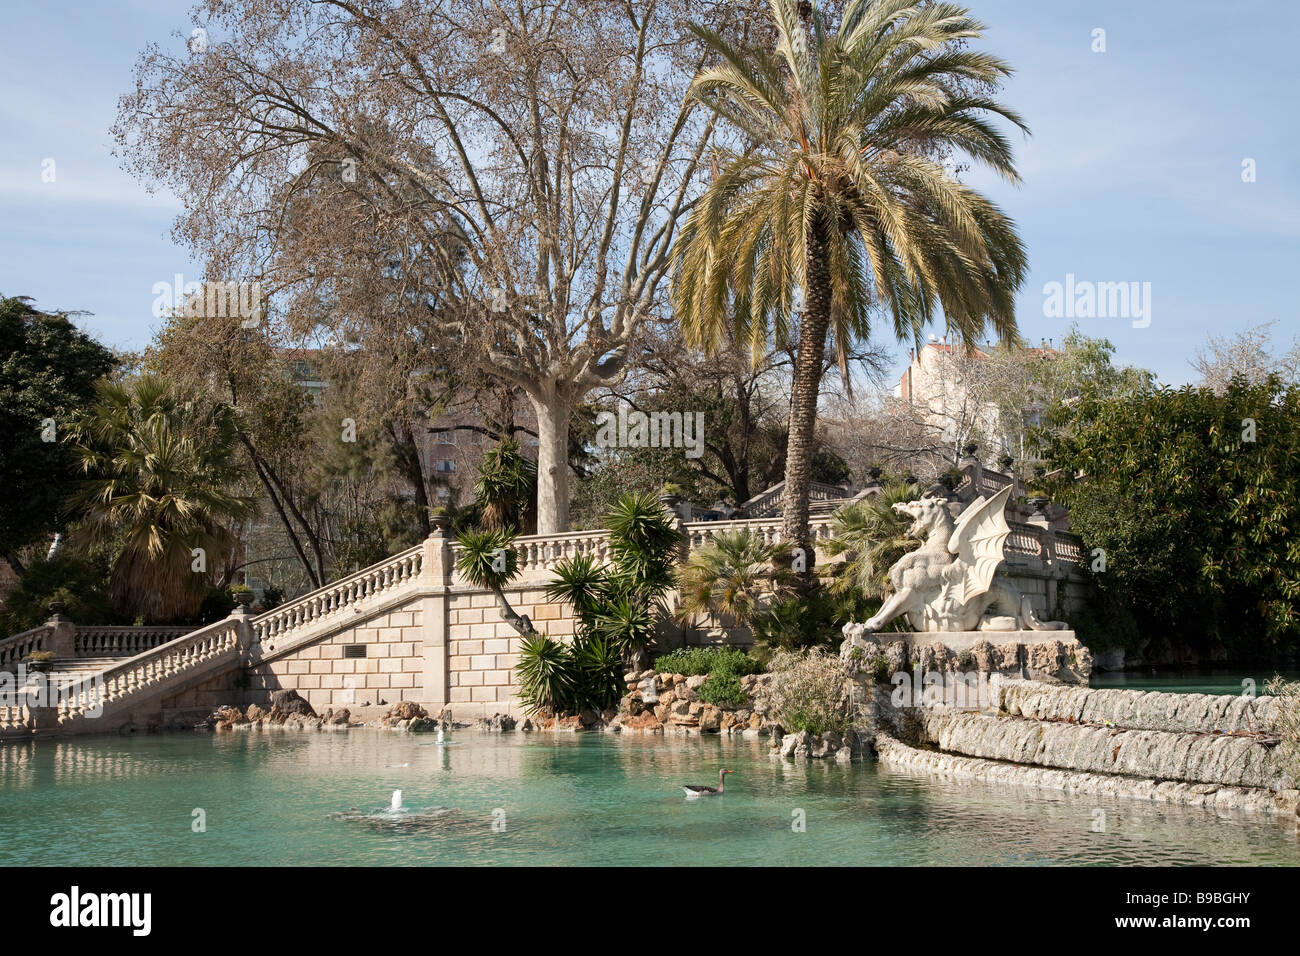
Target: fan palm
[[160, 485], [735, 573], [839, 195], [873, 536]]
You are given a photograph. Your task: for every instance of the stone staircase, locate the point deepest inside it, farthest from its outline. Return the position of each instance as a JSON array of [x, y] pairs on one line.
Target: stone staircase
[[103, 678]]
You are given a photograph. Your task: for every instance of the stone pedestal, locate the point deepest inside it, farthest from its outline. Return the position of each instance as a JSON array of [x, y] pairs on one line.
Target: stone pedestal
[[1052, 656]]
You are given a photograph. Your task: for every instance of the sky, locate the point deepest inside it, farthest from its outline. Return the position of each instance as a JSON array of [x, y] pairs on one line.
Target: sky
[[1133, 173]]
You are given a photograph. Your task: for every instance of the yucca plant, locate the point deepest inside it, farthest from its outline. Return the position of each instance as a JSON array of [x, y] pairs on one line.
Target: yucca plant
[[643, 541], [736, 573], [837, 193], [580, 581], [506, 484], [487, 559], [544, 674], [598, 671], [623, 600]]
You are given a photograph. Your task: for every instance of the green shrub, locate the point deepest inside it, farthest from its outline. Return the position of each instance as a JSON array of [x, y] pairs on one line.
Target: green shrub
[[82, 586], [693, 661], [544, 673], [722, 687]]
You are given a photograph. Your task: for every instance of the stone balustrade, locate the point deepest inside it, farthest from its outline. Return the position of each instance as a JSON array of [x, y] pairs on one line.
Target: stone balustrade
[[401, 570], [538, 553], [13, 720], [122, 641], [153, 671], [14, 649], [767, 530]]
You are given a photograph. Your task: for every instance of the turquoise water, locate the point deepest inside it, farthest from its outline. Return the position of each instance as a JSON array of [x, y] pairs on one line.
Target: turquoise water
[[1219, 680], [557, 800]]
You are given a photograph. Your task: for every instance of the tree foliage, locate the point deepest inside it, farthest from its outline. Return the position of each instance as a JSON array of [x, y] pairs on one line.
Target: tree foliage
[[1194, 498], [837, 194], [159, 478], [48, 370]]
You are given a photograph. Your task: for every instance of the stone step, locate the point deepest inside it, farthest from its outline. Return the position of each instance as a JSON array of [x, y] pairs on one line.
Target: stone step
[[1141, 710], [898, 756], [1162, 755]]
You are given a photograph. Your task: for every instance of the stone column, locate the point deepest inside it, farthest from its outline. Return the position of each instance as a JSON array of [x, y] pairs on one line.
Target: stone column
[[435, 584]]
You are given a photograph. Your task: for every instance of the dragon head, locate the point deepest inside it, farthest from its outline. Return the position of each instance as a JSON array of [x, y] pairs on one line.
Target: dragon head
[[928, 514]]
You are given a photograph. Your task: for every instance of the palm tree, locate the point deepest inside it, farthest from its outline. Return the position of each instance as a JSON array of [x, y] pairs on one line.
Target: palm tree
[[506, 485], [733, 574], [160, 479], [838, 193], [873, 536]]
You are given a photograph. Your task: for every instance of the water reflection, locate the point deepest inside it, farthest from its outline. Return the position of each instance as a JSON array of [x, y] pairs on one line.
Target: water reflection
[[558, 800]]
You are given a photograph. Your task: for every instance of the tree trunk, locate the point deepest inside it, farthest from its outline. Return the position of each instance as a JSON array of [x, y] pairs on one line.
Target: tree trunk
[[805, 387], [552, 411]]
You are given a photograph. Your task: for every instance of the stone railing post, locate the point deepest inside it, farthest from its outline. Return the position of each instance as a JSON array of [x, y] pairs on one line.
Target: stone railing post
[[63, 633], [436, 569], [974, 469], [243, 618]]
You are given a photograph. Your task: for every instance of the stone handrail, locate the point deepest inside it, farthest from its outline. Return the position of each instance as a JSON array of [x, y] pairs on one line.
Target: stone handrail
[[14, 649], [122, 641], [759, 505], [542, 552], [1024, 541], [767, 530], [400, 570], [186, 654]]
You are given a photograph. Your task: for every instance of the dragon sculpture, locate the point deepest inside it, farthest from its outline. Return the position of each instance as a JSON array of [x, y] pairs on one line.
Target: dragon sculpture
[[953, 582]]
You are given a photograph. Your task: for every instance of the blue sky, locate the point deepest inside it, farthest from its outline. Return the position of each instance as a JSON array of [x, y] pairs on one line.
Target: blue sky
[[1133, 172]]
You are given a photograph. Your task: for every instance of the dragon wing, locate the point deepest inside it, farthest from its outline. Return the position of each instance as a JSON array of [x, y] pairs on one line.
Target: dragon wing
[[977, 539]]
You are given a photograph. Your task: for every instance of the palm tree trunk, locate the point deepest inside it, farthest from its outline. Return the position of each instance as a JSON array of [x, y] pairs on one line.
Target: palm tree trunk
[[805, 388]]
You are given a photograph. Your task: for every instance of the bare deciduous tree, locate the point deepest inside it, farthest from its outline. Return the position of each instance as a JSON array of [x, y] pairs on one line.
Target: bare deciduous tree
[[504, 178]]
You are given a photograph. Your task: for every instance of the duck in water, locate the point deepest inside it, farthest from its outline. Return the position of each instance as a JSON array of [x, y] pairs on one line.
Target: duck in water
[[699, 791]]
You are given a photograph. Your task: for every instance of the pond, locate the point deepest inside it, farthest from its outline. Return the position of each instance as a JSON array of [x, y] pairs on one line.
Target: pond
[[266, 798], [1211, 680]]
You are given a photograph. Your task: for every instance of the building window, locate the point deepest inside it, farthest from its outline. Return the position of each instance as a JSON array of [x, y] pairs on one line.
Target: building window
[[446, 465], [445, 437]]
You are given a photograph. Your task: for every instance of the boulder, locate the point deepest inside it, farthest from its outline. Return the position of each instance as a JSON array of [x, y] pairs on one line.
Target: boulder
[[255, 713], [286, 703], [497, 723], [340, 717], [797, 746], [229, 715], [645, 723], [406, 710]]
